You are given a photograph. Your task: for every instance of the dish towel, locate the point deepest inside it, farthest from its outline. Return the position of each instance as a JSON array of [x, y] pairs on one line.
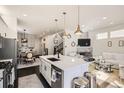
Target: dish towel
[[54, 78]]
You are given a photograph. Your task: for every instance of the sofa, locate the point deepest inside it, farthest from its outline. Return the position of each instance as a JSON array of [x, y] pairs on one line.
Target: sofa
[[114, 58], [117, 59]]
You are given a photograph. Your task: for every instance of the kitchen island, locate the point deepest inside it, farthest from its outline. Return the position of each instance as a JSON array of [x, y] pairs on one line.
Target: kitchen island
[[59, 72]]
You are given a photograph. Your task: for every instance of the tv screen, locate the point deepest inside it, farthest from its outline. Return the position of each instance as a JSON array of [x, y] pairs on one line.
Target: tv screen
[[83, 42]]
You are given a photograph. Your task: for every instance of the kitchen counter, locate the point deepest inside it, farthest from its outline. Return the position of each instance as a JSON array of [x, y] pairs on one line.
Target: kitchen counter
[[70, 67], [4, 60], [66, 62]]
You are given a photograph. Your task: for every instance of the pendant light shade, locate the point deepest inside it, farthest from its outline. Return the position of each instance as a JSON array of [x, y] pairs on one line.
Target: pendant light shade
[[78, 30], [65, 34]]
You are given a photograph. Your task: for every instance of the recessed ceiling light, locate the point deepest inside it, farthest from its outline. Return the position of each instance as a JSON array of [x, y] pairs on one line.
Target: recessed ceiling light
[[104, 18], [24, 15]]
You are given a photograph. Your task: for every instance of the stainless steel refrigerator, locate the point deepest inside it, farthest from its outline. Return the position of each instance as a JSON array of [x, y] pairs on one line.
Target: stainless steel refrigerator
[[8, 49]]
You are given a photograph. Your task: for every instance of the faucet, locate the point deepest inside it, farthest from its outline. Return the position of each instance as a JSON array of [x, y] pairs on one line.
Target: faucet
[[58, 54]]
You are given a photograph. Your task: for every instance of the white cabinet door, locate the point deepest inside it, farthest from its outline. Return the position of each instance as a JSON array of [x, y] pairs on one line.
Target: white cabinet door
[[45, 69], [41, 66], [6, 31], [48, 72], [40, 69], [10, 34]]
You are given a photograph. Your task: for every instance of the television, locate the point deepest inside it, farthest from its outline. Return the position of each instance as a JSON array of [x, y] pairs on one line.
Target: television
[[84, 42]]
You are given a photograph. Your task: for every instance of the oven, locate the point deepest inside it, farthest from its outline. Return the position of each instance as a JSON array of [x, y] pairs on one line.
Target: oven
[[1, 78], [8, 81]]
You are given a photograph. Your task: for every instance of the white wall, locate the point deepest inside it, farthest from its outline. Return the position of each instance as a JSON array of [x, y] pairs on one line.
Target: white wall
[[10, 20], [74, 38], [100, 46], [33, 41], [12, 25], [37, 45], [8, 26], [49, 42]]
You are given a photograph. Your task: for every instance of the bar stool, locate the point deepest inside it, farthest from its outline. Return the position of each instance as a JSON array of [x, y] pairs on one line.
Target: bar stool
[[80, 82]]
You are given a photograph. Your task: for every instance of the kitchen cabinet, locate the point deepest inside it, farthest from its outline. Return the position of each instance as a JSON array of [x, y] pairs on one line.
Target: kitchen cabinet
[[1, 42], [5, 30], [48, 72], [40, 67], [45, 69], [64, 70]]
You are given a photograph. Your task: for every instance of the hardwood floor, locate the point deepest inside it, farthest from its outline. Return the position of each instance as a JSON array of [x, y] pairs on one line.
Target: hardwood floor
[[107, 80]]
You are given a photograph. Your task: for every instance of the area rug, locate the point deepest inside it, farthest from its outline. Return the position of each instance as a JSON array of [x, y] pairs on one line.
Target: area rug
[[103, 82], [30, 81]]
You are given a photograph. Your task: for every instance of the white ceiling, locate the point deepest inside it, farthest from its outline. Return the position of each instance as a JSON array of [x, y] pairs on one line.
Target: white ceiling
[[40, 18]]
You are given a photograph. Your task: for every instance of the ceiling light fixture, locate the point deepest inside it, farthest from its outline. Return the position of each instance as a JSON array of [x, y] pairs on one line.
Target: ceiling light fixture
[[83, 26], [104, 18], [111, 23], [24, 40], [65, 34], [78, 31], [56, 20], [25, 15]]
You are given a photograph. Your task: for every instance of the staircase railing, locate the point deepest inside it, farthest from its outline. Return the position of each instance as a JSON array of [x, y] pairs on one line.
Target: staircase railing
[[58, 48]]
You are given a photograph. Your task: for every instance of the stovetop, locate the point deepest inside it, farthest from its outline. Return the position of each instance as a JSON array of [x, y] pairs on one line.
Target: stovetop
[[4, 64]]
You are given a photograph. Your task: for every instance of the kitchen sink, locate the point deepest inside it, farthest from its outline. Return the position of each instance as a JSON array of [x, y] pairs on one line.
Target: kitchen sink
[[53, 59]]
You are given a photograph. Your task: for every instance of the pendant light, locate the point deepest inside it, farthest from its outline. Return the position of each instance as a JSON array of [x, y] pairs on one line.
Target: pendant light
[[78, 31], [56, 20], [55, 39], [65, 34], [24, 40]]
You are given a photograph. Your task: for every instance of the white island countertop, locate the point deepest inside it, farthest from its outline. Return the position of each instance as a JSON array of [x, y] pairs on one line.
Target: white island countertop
[[66, 62]]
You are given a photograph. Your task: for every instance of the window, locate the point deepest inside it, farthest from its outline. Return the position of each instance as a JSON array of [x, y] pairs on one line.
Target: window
[[115, 34], [102, 35]]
